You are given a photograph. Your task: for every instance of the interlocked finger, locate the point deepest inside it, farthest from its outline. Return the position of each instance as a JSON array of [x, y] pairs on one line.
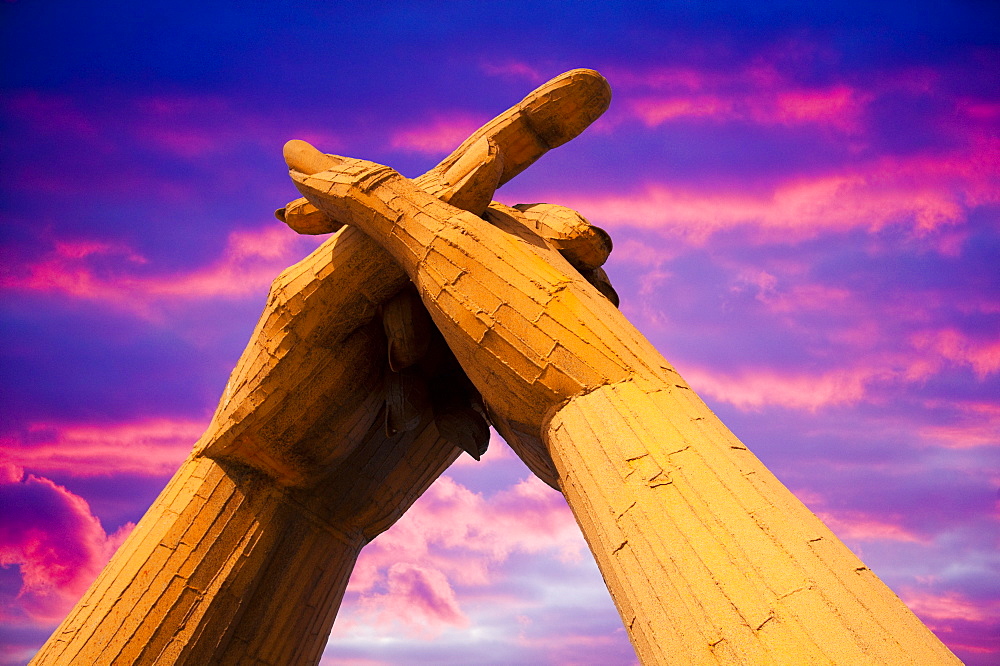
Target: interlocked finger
[[423, 374], [585, 246]]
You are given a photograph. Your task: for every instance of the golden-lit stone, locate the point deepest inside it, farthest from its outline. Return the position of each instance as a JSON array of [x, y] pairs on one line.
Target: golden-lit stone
[[346, 405]]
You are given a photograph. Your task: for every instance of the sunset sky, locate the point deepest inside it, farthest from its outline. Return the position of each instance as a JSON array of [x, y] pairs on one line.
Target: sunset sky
[[805, 204]]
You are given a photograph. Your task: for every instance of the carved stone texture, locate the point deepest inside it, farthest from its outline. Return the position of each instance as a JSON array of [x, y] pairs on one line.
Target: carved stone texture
[[320, 442], [708, 557]]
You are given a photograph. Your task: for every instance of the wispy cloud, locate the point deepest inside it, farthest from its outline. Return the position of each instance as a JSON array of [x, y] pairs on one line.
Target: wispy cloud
[[763, 386], [978, 424], [846, 382], [153, 447], [757, 93], [438, 135], [839, 107], [971, 627], [512, 69], [955, 347], [922, 194], [854, 526], [246, 266]]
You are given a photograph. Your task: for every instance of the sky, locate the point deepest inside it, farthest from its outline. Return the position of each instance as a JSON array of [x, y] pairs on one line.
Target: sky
[[805, 203]]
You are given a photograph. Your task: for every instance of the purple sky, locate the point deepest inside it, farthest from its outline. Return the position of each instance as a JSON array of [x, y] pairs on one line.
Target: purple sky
[[805, 203]]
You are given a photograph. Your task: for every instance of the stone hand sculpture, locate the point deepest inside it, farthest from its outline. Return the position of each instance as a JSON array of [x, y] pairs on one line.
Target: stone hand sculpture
[[347, 403]]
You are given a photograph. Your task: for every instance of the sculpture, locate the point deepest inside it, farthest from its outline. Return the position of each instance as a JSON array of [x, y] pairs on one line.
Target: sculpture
[[347, 404]]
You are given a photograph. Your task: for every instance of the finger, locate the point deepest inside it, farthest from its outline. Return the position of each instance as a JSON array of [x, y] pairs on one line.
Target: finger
[[457, 405], [306, 219], [599, 279], [407, 328], [466, 428], [583, 244], [470, 182], [406, 400], [549, 116]]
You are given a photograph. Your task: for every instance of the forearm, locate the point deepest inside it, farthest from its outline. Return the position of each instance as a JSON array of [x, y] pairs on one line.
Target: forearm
[[709, 558], [229, 565], [222, 565], [294, 388]]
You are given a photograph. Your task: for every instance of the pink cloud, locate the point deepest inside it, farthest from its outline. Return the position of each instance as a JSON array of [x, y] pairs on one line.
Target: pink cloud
[[189, 126], [527, 517], [791, 298], [979, 110], [964, 624], [192, 126], [246, 266], [860, 526], [592, 649], [979, 425], [341, 661], [453, 536], [153, 447], [655, 111], [441, 134], [950, 606], [753, 388], [418, 598], [839, 107], [65, 270], [926, 194], [983, 356], [55, 540], [187, 143], [757, 94], [664, 78]]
